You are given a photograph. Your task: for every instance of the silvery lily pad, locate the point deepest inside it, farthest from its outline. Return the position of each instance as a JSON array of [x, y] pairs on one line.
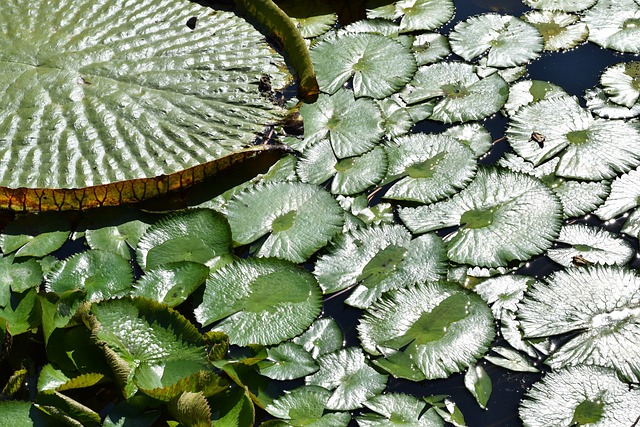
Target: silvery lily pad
[[354, 126], [427, 167], [615, 24], [580, 395], [323, 336], [396, 409], [560, 30], [430, 47], [503, 292], [379, 65], [526, 92], [373, 26], [396, 116], [459, 93], [590, 245], [416, 14], [631, 226], [441, 327], [297, 218], [479, 384], [580, 197], [507, 41], [473, 135], [561, 5], [625, 195], [502, 215], [511, 360], [621, 83], [286, 362], [598, 305], [598, 103], [588, 148], [306, 406]]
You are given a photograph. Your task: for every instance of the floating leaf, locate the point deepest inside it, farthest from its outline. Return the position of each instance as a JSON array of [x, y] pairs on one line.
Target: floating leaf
[[590, 245], [631, 226], [396, 409], [297, 218], [379, 65], [621, 83], [580, 395], [430, 47], [311, 21], [443, 327], [323, 336], [511, 360], [460, 94], [579, 197], [395, 114], [233, 408], [562, 5], [354, 126], [526, 92], [22, 313], [305, 406], [624, 196], [24, 414], [171, 283], [599, 305], [588, 148], [18, 276], [260, 301], [599, 104], [120, 238], [380, 213], [286, 362], [156, 344], [473, 135], [502, 215], [478, 383], [508, 41], [613, 24], [561, 31], [35, 235], [148, 99], [427, 167], [351, 380], [416, 15], [503, 292]]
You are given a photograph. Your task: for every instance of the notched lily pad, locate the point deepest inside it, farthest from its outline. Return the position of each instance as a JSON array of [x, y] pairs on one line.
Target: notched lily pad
[[590, 245], [621, 83], [560, 30], [415, 15], [561, 5], [396, 409], [526, 92], [171, 283], [624, 196], [615, 24]]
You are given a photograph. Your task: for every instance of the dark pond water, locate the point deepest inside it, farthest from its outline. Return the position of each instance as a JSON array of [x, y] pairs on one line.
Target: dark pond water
[[575, 71]]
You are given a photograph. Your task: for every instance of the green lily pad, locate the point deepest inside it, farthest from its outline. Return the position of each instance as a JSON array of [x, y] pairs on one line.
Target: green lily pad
[[152, 345], [354, 126], [590, 245], [18, 276], [198, 235], [22, 313], [260, 301], [305, 406], [460, 94], [35, 235], [120, 238], [561, 5], [323, 336], [600, 105], [511, 360], [561, 31], [311, 20], [624, 196], [503, 292], [25, 414], [473, 135], [580, 197], [171, 283], [430, 47], [526, 92], [440, 326], [614, 24], [286, 362], [507, 41], [396, 409], [621, 83], [415, 15], [379, 65], [349, 377], [598, 304], [581, 395], [102, 275], [503, 216], [396, 117], [427, 167], [479, 384]]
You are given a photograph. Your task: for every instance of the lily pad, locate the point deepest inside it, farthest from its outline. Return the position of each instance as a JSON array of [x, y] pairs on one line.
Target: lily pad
[[503, 292], [35, 234], [286, 362], [147, 99], [624, 196], [305, 406], [440, 326], [430, 47], [473, 135], [396, 409], [298, 219], [479, 384], [260, 301], [615, 24], [460, 94], [526, 92], [379, 65], [507, 41], [580, 197], [415, 15], [598, 305], [323, 336], [427, 167], [581, 395], [621, 83], [631, 226], [396, 117], [503, 216], [171, 283], [18, 276], [561, 31], [590, 245], [599, 104], [561, 5]]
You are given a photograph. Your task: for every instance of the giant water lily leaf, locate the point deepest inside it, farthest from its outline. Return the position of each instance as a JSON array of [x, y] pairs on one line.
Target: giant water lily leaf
[[427, 167], [298, 219], [599, 305], [305, 406], [502, 215], [155, 345], [473, 135], [599, 104], [508, 41], [526, 92], [581, 395], [621, 83], [379, 65], [588, 148], [625, 195], [396, 409], [354, 126], [442, 327], [560, 30], [561, 5], [416, 15], [260, 301], [197, 235], [376, 259], [102, 275], [590, 245], [614, 24], [349, 377], [118, 95], [459, 93]]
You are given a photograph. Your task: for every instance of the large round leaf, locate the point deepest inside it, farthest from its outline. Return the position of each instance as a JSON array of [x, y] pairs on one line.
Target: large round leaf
[[560, 30], [615, 24], [502, 215], [96, 94], [298, 219], [260, 301], [396, 409], [621, 83]]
